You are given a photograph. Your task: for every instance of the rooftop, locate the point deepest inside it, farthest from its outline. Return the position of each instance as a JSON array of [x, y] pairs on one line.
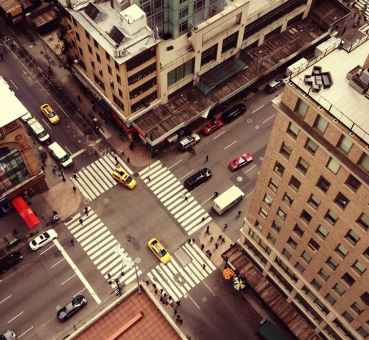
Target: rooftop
[[12, 108], [342, 101], [121, 33]]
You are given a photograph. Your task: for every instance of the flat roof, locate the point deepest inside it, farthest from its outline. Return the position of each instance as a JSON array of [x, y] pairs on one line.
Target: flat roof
[[11, 107], [107, 17], [342, 101]]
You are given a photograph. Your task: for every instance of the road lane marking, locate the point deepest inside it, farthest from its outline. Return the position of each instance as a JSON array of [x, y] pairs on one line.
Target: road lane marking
[[77, 271], [16, 316], [56, 263], [7, 298], [185, 175], [45, 122], [77, 153], [68, 279], [250, 169], [207, 200], [47, 249], [258, 108], [175, 164], [220, 134], [25, 332], [210, 290], [193, 301], [266, 120], [229, 145]]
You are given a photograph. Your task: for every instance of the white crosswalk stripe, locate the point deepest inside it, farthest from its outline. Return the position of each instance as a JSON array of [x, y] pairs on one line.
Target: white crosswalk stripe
[[188, 267], [102, 248], [190, 215], [95, 179]]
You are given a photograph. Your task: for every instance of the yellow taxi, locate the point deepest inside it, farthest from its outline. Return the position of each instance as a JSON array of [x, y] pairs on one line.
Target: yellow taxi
[[50, 114], [159, 251], [123, 177]]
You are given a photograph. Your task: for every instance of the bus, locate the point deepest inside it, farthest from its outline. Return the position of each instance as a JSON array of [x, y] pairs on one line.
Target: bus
[[228, 199]]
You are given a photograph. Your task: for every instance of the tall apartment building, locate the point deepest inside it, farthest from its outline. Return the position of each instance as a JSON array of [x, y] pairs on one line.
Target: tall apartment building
[[308, 221]]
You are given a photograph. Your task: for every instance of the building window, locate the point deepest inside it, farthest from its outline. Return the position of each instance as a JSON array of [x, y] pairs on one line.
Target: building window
[[301, 107], [345, 144], [109, 70], [263, 212], [271, 238], [359, 267], [341, 200], [323, 184], [300, 268], [353, 183], [276, 226], [357, 308], [285, 150], [302, 165], [273, 185], [322, 232], [278, 168], [118, 79], [287, 199], [286, 253], [294, 183], [183, 27], [89, 49], [80, 51], [306, 256], [306, 216], [364, 162], [323, 274], [332, 263], [341, 250], [120, 93], [281, 214], [96, 44], [314, 245], [316, 284], [331, 217], [339, 289], [98, 58], [349, 280], [330, 299], [292, 243], [268, 199], [313, 201], [78, 37], [363, 220], [183, 12], [118, 102], [100, 73], [116, 66], [365, 298], [333, 165], [348, 317], [311, 146], [321, 124], [230, 42], [298, 231], [209, 55], [199, 4], [293, 130], [180, 72], [366, 253], [362, 331], [107, 56], [352, 237]]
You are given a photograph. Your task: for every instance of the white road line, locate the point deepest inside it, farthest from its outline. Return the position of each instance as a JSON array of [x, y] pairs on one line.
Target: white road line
[[56, 263], [47, 249], [46, 123], [67, 280], [188, 173], [7, 298], [207, 200], [193, 301], [258, 108], [210, 290], [175, 164], [220, 134], [77, 271], [25, 332], [266, 120], [77, 153], [16, 316], [252, 167], [229, 145]]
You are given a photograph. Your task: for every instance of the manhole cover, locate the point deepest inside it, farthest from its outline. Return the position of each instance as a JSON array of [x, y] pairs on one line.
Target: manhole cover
[[239, 179]]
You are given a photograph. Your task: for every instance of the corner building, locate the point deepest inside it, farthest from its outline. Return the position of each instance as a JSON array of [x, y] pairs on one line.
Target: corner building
[[308, 221]]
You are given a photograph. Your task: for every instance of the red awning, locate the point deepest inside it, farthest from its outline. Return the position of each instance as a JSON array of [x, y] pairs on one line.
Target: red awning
[[25, 212]]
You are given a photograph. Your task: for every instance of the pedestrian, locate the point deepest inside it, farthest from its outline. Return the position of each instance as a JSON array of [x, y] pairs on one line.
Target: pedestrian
[[147, 282], [86, 211], [216, 245], [185, 197], [193, 240], [225, 226], [202, 246], [239, 214], [156, 291], [154, 285], [148, 179], [63, 178], [204, 266], [80, 221], [178, 303], [161, 291], [108, 276], [116, 160], [74, 176], [219, 238], [223, 239], [206, 158], [43, 168], [128, 160], [189, 241], [203, 219], [207, 230], [74, 189], [216, 193], [72, 242], [211, 239]]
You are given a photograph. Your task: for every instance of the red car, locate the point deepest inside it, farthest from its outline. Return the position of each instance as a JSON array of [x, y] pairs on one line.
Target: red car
[[240, 161], [211, 126]]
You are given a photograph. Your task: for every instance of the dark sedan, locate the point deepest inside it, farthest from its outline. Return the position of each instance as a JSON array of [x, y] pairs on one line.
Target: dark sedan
[[77, 303], [233, 112], [197, 178]]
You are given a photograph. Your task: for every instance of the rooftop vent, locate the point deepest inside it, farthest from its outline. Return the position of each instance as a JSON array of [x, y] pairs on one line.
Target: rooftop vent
[[92, 11], [116, 35]]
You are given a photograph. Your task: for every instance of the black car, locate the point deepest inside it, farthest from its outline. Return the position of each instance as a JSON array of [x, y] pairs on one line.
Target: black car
[[10, 260], [233, 113], [78, 302], [196, 179]]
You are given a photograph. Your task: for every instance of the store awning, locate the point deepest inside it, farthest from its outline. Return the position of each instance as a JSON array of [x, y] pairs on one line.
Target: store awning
[[23, 209]]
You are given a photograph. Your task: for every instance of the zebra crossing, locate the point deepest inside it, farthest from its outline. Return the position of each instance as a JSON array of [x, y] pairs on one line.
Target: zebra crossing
[[188, 267], [175, 198], [95, 179], [105, 252]]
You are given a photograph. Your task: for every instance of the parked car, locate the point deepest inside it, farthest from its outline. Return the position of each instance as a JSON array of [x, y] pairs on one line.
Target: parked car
[[240, 161], [50, 114], [8, 335], [197, 178], [43, 239], [10, 260], [188, 142], [274, 85], [234, 112], [212, 126], [38, 130], [123, 177], [60, 155], [159, 251], [77, 303]]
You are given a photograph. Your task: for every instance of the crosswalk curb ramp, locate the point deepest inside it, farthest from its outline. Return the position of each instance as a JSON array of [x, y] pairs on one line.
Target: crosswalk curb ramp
[[95, 179], [189, 266], [176, 199], [103, 249]]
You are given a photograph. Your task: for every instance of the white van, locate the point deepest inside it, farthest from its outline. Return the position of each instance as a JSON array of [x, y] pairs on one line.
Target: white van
[[60, 155], [228, 199], [38, 130]]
